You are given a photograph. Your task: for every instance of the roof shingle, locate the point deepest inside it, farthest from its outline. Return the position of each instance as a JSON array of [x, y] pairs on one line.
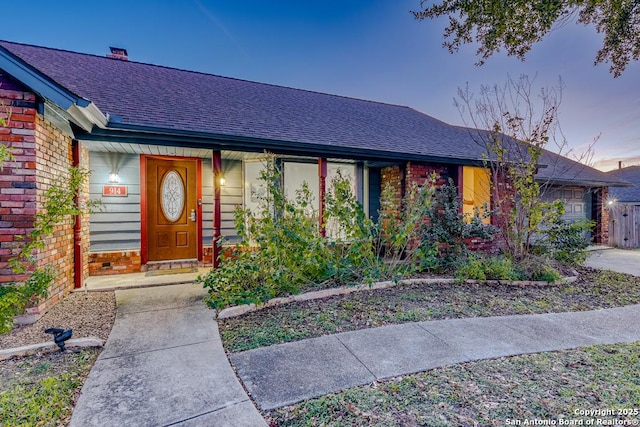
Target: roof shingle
[[163, 98]]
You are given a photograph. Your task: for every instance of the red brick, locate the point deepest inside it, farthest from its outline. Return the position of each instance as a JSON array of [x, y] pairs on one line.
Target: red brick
[[23, 117], [12, 94]]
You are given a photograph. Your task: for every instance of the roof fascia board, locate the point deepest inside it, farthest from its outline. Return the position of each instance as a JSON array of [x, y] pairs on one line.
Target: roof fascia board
[[233, 143]]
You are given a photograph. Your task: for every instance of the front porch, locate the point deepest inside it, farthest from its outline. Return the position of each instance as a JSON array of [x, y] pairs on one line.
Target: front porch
[[140, 280], [121, 240]]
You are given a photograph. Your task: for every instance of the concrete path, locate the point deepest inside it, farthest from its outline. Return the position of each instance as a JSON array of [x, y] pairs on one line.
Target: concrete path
[[284, 374], [163, 365], [620, 260]]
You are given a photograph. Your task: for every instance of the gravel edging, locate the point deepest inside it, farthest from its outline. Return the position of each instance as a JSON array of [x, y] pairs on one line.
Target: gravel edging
[[239, 310]]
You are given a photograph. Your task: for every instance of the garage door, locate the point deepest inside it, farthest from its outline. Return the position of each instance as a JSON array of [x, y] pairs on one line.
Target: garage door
[[577, 201]]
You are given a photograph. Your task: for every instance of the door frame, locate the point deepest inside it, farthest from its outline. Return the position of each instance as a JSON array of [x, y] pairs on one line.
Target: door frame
[[143, 203]]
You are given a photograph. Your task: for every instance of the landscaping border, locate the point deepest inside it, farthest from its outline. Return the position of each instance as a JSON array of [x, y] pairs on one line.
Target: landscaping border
[[239, 310]]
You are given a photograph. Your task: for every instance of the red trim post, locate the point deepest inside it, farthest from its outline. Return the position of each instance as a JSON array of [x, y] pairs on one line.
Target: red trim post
[[77, 226], [143, 210], [322, 175], [199, 205], [216, 163], [461, 186]]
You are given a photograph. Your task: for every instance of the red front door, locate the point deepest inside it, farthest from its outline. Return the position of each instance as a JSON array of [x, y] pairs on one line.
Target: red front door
[[172, 213]]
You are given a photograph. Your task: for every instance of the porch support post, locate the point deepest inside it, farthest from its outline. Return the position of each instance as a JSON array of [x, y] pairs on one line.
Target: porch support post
[[460, 184], [216, 163], [322, 175], [78, 267], [360, 183]]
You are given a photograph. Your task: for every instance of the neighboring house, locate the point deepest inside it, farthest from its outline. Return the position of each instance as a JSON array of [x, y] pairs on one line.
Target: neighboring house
[[172, 152], [624, 209]]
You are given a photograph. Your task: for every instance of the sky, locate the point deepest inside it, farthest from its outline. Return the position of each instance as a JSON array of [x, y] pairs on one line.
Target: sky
[[367, 49]]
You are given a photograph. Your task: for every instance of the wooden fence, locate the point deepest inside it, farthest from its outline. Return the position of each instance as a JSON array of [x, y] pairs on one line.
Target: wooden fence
[[624, 223]]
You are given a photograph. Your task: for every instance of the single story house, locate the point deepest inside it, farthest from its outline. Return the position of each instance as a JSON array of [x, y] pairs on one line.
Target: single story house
[[624, 208], [172, 152]]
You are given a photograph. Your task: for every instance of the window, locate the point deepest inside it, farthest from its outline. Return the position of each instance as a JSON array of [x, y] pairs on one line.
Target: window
[[295, 174], [476, 191]]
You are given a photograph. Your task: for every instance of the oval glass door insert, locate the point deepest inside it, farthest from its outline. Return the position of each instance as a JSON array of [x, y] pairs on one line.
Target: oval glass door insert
[[172, 196]]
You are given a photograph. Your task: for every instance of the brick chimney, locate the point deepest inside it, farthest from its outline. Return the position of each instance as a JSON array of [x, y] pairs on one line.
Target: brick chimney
[[118, 53]]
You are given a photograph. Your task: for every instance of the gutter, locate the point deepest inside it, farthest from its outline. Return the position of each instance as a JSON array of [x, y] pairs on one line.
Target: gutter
[[124, 133]]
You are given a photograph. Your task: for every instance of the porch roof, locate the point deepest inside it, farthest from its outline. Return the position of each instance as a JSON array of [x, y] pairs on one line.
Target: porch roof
[[150, 103]]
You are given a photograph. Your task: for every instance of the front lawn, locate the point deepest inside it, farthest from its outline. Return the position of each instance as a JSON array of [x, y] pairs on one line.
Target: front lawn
[[410, 303], [41, 390], [545, 387]]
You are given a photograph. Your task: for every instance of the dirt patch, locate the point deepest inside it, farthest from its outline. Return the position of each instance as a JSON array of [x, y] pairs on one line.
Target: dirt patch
[[87, 313]]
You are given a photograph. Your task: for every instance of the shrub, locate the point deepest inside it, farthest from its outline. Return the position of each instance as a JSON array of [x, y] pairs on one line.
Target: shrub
[[487, 268], [401, 224], [449, 227], [567, 241], [538, 269], [58, 205], [281, 248]]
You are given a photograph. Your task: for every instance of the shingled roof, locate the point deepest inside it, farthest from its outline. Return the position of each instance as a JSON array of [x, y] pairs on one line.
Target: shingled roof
[[139, 96], [629, 194]]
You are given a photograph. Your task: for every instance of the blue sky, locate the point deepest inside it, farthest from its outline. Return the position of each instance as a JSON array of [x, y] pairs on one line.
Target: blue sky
[[369, 49]]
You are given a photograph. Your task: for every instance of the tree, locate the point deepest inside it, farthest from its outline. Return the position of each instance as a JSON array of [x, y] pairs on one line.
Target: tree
[[514, 128], [516, 25]]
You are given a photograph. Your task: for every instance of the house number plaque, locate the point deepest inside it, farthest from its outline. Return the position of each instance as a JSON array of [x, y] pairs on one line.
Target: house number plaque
[[114, 191]]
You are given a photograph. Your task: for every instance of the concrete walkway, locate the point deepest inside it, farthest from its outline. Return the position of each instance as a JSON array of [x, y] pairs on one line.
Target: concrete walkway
[[163, 365], [284, 374], [620, 260]]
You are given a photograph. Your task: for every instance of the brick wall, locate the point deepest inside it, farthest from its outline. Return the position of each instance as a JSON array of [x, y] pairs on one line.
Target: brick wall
[[602, 227], [18, 177], [53, 159], [41, 154], [108, 263], [402, 177]]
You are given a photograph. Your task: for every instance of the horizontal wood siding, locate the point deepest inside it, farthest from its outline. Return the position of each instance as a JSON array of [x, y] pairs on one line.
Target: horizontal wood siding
[[230, 197], [117, 226]]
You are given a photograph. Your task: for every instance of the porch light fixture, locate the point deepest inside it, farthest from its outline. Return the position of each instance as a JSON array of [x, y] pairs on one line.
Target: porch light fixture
[[223, 181], [114, 178]]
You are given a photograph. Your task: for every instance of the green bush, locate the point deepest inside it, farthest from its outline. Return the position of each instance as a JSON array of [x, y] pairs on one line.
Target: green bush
[[567, 241], [537, 268], [487, 268], [281, 248], [449, 227], [58, 205]]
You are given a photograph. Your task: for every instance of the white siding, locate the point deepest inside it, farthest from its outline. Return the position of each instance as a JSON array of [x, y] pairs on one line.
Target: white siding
[[117, 226]]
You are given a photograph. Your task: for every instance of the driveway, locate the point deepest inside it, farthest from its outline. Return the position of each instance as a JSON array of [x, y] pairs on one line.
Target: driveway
[[620, 260]]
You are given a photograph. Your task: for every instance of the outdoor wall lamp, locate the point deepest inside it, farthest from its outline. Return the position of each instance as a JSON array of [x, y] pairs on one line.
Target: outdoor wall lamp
[[223, 181], [114, 178]]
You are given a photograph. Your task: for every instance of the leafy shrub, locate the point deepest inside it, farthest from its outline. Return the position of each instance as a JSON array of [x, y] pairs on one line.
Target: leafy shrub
[[567, 241], [538, 269], [282, 249], [487, 268], [58, 205], [14, 298], [449, 227], [352, 236], [401, 224]]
